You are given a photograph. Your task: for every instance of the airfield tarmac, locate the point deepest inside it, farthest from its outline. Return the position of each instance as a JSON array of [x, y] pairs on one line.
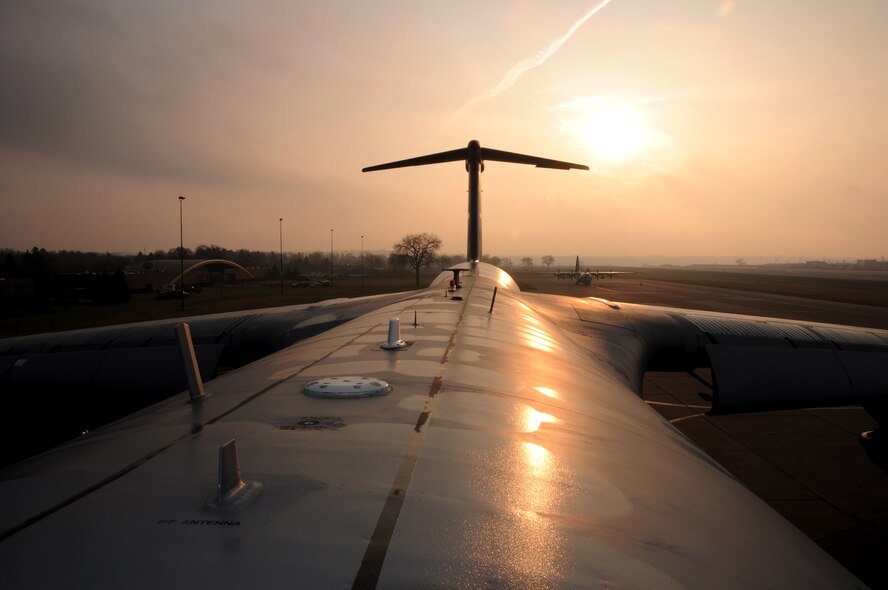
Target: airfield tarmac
[[809, 465]]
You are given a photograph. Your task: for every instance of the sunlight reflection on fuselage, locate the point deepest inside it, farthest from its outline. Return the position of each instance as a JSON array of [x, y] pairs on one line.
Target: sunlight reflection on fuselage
[[547, 391]]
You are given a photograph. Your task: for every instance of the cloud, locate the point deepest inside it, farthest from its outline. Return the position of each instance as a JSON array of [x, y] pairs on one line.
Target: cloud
[[136, 89]]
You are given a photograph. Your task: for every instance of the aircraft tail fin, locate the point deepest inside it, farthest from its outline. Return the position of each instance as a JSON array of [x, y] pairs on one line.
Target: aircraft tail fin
[[474, 156]]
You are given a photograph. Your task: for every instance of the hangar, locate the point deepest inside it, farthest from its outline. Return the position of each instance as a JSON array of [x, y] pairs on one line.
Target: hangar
[[153, 274]]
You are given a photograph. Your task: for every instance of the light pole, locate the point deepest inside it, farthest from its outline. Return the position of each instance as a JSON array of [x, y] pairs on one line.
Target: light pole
[[362, 262], [181, 257], [281, 231], [331, 255]]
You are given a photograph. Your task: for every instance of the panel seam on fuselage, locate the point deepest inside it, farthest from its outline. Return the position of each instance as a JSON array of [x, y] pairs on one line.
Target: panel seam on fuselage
[[374, 556]]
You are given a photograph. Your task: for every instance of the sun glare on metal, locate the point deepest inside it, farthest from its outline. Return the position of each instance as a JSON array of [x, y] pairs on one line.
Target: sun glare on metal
[[538, 339], [538, 459], [532, 420], [531, 318], [547, 391]]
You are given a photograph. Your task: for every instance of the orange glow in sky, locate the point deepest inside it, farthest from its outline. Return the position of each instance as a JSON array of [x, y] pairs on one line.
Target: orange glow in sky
[[723, 128]]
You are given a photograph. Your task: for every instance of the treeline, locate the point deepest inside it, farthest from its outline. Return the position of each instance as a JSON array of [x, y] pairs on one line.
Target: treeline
[[36, 278], [38, 262]]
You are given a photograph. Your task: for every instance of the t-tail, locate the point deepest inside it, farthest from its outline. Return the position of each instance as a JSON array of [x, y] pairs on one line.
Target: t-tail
[[474, 156]]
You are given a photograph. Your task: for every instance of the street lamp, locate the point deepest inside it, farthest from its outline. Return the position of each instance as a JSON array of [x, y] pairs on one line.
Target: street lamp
[[331, 255], [362, 262], [181, 257], [281, 231]]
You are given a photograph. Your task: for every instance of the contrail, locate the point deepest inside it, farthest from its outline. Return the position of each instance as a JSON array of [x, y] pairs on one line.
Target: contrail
[[529, 63]]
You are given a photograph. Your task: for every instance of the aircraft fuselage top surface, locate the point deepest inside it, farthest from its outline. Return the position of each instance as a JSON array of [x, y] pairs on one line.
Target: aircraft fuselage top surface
[[512, 451]]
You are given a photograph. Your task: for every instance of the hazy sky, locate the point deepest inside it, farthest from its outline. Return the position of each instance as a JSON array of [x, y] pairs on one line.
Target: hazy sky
[[747, 128]]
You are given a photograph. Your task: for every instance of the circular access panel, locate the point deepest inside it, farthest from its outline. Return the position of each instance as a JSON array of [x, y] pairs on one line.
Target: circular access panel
[[346, 387]]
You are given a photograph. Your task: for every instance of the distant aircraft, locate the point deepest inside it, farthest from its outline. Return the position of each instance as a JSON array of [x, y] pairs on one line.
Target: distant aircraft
[[570, 275], [585, 277], [490, 439]]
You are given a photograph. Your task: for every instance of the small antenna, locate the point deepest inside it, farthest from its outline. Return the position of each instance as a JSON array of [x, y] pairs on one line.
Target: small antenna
[[394, 341], [189, 362]]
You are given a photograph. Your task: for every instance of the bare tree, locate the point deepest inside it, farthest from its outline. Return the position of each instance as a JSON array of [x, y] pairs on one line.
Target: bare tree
[[548, 259], [418, 250], [527, 262]]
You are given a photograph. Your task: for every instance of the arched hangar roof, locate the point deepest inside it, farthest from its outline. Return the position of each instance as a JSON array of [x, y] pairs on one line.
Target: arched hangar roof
[[196, 264]]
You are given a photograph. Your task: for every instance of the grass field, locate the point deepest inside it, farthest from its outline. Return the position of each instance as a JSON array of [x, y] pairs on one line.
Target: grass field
[[842, 287], [848, 287], [146, 306]]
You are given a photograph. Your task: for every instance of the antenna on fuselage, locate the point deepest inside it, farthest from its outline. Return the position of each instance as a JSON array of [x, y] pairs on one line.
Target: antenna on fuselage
[[474, 156]]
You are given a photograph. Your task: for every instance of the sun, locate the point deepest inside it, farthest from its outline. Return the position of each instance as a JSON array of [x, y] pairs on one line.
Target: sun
[[614, 133], [620, 135]]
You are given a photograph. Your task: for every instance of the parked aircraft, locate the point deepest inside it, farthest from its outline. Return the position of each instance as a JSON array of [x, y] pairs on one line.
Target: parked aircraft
[[496, 439], [585, 277], [570, 275]]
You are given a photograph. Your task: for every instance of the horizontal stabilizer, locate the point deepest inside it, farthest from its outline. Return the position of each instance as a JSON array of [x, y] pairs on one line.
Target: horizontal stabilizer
[[452, 156], [474, 155], [474, 152], [500, 156]]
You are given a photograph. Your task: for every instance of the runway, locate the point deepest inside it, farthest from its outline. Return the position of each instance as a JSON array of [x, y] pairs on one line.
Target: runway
[[642, 290], [809, 465]]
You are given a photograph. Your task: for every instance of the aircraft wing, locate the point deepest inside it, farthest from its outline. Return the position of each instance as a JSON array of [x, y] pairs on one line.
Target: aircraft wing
[[512, 450], [61, 383], [612, 273], [92, 359], [758, 363]]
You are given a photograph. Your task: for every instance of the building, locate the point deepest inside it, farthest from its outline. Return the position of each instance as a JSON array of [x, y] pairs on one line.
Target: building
[[159, 274]]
